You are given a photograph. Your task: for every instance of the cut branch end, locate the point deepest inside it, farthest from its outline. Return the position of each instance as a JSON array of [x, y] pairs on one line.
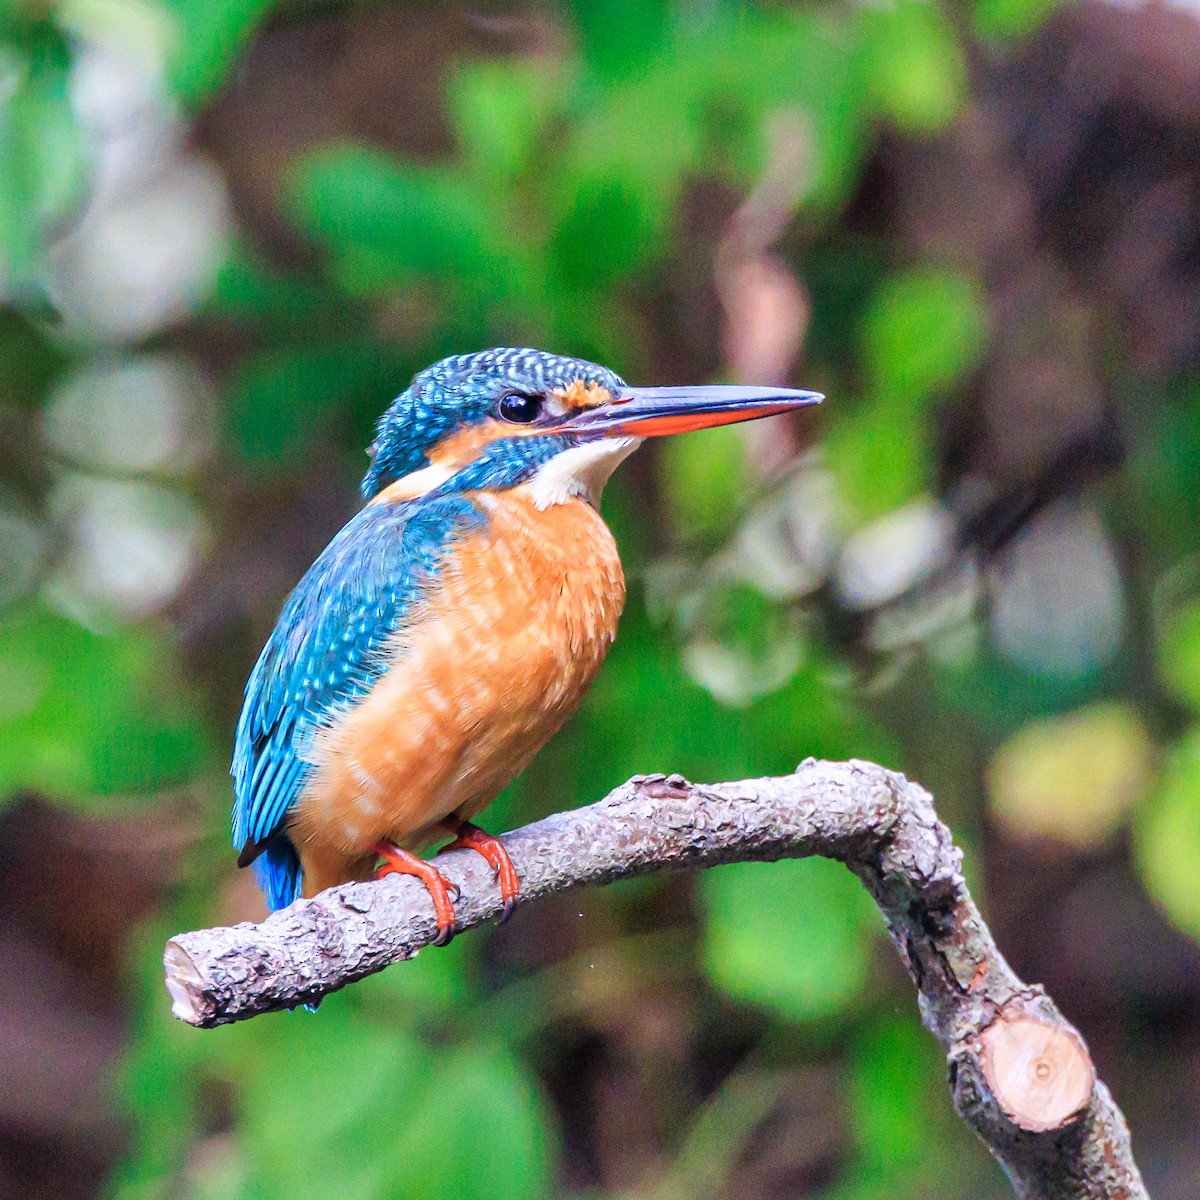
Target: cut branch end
[[184, 983], [1040, 1073]]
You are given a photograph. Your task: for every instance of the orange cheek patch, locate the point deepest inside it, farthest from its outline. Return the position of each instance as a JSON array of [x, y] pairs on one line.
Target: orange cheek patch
[[581, 394], [450, 455], [465, 445]]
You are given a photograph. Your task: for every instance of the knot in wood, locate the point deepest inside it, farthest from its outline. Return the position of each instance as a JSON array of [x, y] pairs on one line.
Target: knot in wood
[[663, 787]]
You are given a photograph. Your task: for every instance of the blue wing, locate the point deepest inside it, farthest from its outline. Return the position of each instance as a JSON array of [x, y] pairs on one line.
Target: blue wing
[[325, 653]]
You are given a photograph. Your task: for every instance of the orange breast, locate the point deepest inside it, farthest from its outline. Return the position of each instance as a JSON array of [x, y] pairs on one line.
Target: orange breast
[[496, 659]]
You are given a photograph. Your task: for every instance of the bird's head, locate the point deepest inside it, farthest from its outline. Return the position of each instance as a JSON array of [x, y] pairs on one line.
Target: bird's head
[[501, 418]]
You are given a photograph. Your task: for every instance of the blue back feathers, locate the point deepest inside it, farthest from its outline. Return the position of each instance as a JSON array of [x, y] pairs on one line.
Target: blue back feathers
[[325, 653], [327, 649]]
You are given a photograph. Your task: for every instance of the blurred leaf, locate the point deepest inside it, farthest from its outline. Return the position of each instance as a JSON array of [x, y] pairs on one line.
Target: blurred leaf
[[880, 454], [429, 986], [248, 289], [1179, 653], [1002, 697], [1073, 778], [18, 223], [620, 34], [499, 108], [741, 644], [624, 512], [498, 1108], [1011, 19], [909, 1143], [844, 274], [54, 138], [448, 1121], [156, 1091], [704, 478], [209, 34], [278, 398], [793, 936], [913, 65], [386, 222], [42, 165], [644, 714], [1160, 505], [84, 714], [29, 360], [894, 1063], [608, 229], [712, 105], [924, 330], [1167, 838]]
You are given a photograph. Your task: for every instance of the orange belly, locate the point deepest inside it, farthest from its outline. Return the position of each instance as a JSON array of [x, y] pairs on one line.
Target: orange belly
[[494, 661]]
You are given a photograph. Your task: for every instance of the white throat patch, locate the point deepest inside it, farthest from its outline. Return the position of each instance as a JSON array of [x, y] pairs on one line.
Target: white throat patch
[[579, 471]]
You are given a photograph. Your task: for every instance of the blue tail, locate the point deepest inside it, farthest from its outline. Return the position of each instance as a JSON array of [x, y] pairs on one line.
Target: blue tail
[[278, 871]]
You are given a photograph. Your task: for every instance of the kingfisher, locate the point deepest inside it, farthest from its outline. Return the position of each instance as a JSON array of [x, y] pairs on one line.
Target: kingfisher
[[445, 634]]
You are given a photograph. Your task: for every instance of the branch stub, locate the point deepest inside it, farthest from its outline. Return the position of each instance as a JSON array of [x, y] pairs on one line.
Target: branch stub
[[184, 983], [1041, 1074]]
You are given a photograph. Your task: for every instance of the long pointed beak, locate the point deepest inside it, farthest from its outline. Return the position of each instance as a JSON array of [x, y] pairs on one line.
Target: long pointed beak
[[655, 411]]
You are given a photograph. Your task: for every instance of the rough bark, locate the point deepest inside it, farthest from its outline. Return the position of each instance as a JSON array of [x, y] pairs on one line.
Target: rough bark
[[1021, 1076]]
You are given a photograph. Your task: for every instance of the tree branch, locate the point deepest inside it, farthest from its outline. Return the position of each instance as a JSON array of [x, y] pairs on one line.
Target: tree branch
[[1020, 1074]]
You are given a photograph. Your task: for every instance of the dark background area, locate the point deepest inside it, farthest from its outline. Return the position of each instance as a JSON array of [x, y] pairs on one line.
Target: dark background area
[[231, 230]]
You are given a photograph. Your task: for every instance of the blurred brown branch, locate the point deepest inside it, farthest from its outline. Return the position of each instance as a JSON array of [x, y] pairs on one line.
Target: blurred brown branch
[[1021, 1075]]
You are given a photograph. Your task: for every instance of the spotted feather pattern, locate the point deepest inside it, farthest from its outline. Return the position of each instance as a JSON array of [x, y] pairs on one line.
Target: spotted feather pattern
[[338, 633], [324, 655], [482, 674]]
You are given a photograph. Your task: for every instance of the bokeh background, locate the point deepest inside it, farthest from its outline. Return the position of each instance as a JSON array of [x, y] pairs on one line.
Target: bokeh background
[[231, 230]]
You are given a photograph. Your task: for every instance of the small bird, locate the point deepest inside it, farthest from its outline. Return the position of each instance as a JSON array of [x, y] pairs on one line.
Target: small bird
[[445, 634]]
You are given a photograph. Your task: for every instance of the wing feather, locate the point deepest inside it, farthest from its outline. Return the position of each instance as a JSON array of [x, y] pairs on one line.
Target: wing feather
[[326, 651]]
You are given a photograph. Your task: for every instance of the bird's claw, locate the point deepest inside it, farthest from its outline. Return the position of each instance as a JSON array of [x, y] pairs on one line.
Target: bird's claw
[[404, 862], [493, 850]]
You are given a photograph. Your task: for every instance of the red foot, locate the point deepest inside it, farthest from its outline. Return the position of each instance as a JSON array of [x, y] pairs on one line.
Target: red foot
[[471, 837], [402, 862]]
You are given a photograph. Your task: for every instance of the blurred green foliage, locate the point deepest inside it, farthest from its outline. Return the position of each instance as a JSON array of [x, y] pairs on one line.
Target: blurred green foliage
[[42, 162], [923, 331], [562, 204], [756, 948], [1168, 837], [88, 716]]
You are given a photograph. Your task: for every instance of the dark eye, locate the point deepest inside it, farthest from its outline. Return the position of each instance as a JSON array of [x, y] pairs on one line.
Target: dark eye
[[520, 409]]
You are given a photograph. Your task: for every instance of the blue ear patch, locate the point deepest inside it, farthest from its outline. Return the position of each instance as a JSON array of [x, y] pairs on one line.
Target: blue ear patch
[[506, 464], [416, 422]]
